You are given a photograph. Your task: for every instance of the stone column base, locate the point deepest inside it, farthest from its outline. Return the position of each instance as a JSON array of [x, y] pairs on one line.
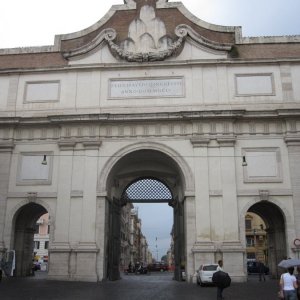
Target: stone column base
[[76, 264]]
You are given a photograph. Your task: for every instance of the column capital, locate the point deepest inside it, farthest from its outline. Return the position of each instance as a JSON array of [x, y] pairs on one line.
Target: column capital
[[198, 142], [66, 145], [7, 146], [92, 144], [226, 141], [291, 140]]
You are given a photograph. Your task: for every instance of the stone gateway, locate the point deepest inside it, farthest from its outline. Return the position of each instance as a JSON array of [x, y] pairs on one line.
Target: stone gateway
[[150, 91]]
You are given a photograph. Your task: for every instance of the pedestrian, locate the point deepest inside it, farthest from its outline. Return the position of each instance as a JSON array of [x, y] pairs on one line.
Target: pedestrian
[[261, 271], [298, 282], [288, 284], [0, 273], [2, 265], [220, 289], [129, 270]]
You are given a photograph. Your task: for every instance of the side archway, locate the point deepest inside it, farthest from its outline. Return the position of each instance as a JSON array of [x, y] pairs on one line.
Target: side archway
[[24, 222], [275, 223]]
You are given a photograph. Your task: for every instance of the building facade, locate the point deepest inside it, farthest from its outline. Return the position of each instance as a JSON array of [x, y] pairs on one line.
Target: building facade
[[256, 238], [150, 91], [41, 238]]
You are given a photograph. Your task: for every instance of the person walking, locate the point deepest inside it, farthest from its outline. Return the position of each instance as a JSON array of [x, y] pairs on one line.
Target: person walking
[[288, 284], [298, 282], [220, 289], [261, 271], [2, 265]]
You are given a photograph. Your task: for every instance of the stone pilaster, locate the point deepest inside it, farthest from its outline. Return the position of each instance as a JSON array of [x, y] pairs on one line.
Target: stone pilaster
[[293, 145], [286, 82], [228, 178], [190, 236], [88, 229], [60, 265], [101, 218], [6, 149], [62, 217], [202, 206]]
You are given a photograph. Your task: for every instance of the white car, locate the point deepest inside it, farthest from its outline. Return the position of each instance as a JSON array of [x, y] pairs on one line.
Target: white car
[[205, 273]]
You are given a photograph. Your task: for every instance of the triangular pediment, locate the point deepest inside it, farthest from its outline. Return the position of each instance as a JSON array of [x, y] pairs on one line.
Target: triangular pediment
[[141, 30]]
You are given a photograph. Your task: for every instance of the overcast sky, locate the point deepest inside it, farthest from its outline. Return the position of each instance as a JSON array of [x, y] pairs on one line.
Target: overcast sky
[[35, 23], [157, 222]]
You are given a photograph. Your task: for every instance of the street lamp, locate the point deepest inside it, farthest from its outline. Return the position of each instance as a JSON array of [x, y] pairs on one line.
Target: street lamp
[[44, 162]]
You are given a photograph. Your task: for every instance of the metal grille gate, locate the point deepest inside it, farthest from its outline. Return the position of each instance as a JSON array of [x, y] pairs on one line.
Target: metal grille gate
[[147, 190]]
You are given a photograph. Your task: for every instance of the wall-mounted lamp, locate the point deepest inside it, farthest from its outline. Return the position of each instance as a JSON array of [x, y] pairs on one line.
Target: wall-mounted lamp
[[44, 162], [244, 164]]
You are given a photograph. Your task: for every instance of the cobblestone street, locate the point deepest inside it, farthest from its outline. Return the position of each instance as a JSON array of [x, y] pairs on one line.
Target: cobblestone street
[[132, 287]]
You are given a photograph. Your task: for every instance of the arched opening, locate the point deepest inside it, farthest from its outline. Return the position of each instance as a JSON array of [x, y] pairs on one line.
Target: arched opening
[[25, 228], [271, 232], [144, 176]]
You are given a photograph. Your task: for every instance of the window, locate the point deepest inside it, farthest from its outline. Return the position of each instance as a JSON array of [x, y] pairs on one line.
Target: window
[[250, 241], [248, 224], [251, 255], [36, 245], [46, 245]]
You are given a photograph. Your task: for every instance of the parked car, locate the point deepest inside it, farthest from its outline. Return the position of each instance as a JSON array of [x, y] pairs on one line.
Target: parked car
[[253, 267], [205, 273], [158, 267]]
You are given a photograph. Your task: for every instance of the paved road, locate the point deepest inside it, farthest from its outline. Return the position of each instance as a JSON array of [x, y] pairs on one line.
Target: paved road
[[132, 287]]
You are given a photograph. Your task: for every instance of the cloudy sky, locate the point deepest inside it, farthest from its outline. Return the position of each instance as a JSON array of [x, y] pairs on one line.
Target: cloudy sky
[[157, 221], [35, 23]]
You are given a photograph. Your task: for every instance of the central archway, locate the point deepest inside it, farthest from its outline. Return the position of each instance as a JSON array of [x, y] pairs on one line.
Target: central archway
[[132, 179]]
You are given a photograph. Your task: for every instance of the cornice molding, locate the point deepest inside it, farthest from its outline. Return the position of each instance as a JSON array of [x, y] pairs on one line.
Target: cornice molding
[[64, 37], [160, 64], [7, 146], [94, 43], [80, 119], [264, 193]]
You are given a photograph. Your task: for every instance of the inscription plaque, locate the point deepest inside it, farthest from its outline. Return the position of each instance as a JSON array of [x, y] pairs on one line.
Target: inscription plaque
[[146, 88]]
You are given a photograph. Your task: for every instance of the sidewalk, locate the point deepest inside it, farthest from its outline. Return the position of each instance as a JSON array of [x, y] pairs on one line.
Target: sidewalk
[[135, 287]]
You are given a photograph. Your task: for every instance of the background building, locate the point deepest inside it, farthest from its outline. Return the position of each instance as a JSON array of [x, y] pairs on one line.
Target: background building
[[41, 238], [256, 238]]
